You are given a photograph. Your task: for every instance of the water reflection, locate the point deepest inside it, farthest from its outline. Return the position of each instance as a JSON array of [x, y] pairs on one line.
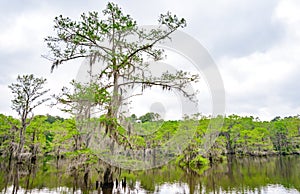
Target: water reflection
[[236, 175]]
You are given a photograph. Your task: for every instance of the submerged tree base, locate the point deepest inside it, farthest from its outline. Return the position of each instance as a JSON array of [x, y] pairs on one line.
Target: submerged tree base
[[236, 174]]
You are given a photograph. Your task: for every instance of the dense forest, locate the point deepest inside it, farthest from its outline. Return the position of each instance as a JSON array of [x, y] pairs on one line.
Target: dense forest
[[58, 138]]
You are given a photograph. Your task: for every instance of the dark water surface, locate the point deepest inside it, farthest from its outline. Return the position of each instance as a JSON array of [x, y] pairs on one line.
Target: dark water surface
[[236, 175]]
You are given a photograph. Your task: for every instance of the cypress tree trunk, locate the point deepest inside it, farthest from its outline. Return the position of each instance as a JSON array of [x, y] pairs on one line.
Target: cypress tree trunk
[[108, 178], [21, 144]]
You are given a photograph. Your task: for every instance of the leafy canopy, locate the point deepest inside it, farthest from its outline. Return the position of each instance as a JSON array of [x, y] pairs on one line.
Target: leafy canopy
[[27, 94], [122, 46]]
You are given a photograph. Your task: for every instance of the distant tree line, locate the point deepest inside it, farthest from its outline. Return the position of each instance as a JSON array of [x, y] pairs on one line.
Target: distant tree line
[[148, 117], [48, 135]]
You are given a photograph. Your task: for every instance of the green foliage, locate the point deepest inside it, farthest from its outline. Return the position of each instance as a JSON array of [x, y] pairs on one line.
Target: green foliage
[[55, 136], [149, 117], [116, 40], [247, 136], [138, 141], [198, 162], [180, 160], [252, 137], [82, 97], [27, 93], [238, 175], [51, 119], [8, 134]]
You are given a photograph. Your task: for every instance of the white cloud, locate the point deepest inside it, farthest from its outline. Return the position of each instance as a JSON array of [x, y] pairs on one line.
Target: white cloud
[[288, 11]]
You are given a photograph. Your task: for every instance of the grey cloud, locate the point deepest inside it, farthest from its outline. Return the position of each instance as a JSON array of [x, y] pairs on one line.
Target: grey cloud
[[271, 97], [13, 8], [238, 29], [21, 62], [17, 7]]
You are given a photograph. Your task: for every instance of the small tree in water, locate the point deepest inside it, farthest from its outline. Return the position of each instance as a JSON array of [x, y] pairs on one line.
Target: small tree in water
[[124, 64], [28, 93]]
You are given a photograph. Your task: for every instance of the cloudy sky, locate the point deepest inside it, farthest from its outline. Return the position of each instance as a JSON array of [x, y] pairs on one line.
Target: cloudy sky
[[255, 44]]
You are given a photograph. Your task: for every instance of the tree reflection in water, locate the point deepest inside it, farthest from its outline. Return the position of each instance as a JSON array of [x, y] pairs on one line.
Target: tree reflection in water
[[242, 175]]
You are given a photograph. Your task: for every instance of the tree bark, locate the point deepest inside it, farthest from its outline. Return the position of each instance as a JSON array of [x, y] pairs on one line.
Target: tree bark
[[108, 178], [21, 144]]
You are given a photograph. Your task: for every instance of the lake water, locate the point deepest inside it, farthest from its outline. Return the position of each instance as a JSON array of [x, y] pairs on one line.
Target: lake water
[[236, 175]]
